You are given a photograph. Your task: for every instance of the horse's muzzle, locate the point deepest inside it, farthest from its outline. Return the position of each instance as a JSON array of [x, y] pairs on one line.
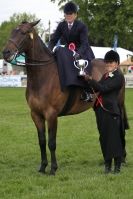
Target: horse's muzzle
[[8, 55]]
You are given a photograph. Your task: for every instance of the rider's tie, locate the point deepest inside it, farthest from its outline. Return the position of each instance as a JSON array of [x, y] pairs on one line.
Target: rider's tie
[[69, 26]]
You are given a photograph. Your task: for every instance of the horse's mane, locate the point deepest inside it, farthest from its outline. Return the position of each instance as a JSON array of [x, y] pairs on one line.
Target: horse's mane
[[45, 47]]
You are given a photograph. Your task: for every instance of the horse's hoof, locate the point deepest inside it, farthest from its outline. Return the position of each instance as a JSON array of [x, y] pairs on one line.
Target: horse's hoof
[[42, 168], [41, 171], [53, 170], [52, 173]]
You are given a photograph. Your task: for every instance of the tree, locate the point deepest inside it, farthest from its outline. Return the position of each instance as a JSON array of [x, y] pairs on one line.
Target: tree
[[7, 26], [104, 19]]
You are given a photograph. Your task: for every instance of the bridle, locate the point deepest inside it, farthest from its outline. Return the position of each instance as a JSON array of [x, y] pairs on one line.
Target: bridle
[[33, 61]]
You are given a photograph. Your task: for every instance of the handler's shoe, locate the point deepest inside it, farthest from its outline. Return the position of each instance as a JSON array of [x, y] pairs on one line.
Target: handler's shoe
[[117, 166], [108, 165], [117, 169], [107, 169], [123, 161]]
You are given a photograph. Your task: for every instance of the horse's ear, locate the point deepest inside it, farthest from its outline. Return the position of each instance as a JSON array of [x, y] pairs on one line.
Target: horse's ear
[[35, 22]]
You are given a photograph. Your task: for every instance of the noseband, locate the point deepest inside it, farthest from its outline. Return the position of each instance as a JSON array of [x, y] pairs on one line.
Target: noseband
[[20, 45]]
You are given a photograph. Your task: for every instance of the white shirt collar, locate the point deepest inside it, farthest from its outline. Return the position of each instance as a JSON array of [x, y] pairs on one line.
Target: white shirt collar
[[70, 24]]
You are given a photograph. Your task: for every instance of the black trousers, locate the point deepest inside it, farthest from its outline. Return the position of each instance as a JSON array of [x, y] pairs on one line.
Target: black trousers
[[109, 128]]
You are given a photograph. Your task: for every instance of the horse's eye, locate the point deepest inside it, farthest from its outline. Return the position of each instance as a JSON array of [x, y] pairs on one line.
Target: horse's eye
[[23, 33], [19, 30]]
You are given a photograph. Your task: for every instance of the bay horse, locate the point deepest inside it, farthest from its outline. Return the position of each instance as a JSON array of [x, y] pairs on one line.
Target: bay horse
[[43, 93]]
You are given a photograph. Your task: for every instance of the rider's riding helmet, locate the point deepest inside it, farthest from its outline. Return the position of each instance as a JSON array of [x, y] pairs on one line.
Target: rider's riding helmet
[[70, 8], [111, 56]]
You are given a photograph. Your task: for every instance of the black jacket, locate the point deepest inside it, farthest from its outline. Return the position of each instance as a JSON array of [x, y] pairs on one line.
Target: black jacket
[[110, 125], [109, 89], [78, 35]]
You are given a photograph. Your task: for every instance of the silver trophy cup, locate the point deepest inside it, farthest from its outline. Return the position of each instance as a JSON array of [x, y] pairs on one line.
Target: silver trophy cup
[[81, 64]]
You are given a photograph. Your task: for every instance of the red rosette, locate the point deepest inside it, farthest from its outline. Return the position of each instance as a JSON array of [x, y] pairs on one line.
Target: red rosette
[[72, 46]]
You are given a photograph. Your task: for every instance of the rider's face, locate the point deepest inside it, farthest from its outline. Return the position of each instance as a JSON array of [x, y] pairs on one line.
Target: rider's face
[[70, 17]]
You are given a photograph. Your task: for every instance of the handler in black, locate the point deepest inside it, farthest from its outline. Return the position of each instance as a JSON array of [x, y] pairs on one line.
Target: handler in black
[[108, 113], [71, 33]]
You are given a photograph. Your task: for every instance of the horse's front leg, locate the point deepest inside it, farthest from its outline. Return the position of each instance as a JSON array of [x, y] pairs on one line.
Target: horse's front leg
[[40, 125], [52, 130]]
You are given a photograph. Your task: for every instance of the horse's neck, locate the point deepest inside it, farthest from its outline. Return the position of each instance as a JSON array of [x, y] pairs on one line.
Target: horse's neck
[[38, 75], [38, 50]]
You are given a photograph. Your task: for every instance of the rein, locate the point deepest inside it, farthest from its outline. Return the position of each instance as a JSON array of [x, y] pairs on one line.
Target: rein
[[101, 104], [38, 62]]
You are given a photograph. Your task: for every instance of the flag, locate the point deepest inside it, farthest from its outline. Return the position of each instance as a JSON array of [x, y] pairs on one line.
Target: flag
[[115, 43]]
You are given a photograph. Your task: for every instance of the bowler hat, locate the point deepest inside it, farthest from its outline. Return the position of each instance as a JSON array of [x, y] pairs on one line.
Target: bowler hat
[[70, 8], [111, 56]]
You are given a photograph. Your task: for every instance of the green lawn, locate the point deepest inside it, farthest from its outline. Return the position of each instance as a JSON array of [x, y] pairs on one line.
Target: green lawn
[[80, 173]]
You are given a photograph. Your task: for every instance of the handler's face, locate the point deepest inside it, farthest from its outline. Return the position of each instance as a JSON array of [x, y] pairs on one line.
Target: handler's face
[[111, 65], [70, 17]]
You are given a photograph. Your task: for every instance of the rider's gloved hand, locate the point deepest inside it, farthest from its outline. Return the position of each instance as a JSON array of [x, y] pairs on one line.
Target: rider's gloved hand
[[55, 49]]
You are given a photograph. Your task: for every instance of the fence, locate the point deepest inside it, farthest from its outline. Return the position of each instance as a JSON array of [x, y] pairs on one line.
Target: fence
[[21, 81], [129, 81], [13, 81]]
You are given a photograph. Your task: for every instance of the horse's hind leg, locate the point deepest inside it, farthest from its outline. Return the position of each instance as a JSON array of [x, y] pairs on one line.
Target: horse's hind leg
[[40, 125], [52, 129]]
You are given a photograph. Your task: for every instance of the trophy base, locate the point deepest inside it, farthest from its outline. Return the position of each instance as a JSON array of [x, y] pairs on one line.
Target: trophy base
[[81, 74]]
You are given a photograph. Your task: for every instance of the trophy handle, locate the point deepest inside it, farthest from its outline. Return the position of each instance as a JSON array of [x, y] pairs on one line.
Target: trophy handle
[[86, 63], [76, 64]]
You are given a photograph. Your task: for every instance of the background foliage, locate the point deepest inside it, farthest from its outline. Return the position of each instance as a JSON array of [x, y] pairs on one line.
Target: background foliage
[[7, 26], [105, 18]]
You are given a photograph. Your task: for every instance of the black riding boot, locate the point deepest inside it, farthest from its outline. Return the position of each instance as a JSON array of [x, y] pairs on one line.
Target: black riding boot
[[86, 96]]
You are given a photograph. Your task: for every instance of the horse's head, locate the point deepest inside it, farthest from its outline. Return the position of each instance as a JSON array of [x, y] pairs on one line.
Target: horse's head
[[19, 41]]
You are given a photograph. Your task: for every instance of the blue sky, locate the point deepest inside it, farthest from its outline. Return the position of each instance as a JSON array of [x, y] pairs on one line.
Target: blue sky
[[43, 9]]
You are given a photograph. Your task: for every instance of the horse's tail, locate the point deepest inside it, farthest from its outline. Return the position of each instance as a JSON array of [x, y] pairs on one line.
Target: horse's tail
[[125, 118]]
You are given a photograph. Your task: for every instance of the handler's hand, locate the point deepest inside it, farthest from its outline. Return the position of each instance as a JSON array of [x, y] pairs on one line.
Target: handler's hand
[[87, 77]]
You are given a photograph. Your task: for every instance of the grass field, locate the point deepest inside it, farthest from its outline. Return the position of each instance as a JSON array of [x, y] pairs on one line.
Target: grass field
[[80, 173]]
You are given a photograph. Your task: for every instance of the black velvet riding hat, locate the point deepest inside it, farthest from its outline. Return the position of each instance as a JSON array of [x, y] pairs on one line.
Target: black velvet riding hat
[[111, 56], [70, 8]]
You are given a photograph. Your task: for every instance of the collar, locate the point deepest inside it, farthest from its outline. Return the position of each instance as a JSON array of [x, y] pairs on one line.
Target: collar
[[113, 70], [70, 24]]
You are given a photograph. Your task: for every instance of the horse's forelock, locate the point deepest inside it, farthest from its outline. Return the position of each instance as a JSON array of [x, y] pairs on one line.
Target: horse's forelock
[[24, 22], [26, 27]]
